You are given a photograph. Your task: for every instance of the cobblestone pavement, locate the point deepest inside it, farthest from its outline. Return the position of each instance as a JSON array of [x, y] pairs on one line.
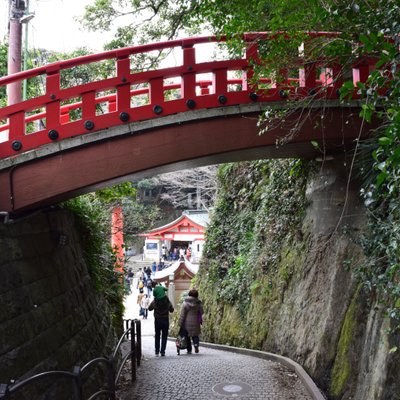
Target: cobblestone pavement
[[205, 375]]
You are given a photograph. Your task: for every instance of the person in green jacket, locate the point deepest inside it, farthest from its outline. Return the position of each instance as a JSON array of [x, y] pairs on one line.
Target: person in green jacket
[[162, 307]]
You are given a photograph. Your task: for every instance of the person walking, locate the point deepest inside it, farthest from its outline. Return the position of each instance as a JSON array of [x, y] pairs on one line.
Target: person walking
[[139, 299], [162, 307], [141, 286], [164, 252], [139, 277], [148, 272], [191, 319], [144, 304], [149, 286], [130, 276], [153, 268]]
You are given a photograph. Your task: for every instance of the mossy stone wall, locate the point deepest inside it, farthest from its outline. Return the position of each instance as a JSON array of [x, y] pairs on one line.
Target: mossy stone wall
[[277, 276]]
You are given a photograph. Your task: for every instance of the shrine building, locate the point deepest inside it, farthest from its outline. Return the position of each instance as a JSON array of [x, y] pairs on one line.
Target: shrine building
[[177, 278], [185, 236]]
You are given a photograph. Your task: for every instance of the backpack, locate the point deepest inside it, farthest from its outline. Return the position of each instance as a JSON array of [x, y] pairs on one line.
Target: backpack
[[149, 283], [141, 285]]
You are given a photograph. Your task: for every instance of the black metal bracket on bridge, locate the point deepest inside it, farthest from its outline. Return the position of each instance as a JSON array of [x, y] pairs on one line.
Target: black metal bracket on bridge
[[114, 365]]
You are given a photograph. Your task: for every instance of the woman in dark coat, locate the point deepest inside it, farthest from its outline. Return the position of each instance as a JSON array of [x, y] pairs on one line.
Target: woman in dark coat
[[191, 319]]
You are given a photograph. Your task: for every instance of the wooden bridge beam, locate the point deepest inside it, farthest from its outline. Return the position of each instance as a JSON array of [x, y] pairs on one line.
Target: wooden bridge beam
[[48, 180]]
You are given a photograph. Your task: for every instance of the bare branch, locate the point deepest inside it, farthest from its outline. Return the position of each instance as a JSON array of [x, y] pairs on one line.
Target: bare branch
[[191, 188]]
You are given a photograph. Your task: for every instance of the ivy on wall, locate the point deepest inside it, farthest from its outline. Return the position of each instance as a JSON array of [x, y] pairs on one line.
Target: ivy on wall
[[94, 228], [260, 206]]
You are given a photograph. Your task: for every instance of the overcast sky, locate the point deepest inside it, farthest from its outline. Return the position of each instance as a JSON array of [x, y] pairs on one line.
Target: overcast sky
[[54, 27]]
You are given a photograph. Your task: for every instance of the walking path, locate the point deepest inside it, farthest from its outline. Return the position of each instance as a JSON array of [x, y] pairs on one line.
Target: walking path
[[211, 374]]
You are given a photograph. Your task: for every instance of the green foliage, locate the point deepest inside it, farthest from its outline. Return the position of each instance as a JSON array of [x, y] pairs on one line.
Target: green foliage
[[116, 193], [3, 72], [145, 20], [95, 227], [259, 208], [139, 217], [146, 184], [380, 274], [367, 28], [85, 73], [341, 371]]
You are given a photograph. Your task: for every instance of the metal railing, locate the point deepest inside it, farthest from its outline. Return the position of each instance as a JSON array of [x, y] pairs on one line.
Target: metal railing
[[80, 375]]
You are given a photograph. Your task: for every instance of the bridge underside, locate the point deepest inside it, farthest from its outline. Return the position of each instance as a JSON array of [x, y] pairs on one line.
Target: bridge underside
[[129, 152]]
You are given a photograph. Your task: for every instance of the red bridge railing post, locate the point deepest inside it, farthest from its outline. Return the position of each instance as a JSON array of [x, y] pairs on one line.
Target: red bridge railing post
[[307, 76], [17, 126], [53, 107], [88, 106], [123, 88], [156, 92], [307, 72], [253, 59], [337, 75], [360, 72], [189, 75], [220, 81]]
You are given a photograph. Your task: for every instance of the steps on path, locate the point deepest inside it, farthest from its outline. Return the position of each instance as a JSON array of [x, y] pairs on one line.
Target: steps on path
[[136, 264]]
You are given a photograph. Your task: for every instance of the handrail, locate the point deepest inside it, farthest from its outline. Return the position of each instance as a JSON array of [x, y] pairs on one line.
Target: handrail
[[113, 370], [123, 52], [320, 79], [106, 55], [124, 360], [57, 374], [120, 342]]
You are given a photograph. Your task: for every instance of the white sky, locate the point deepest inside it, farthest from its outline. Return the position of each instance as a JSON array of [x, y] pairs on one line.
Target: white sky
[[54, 27]]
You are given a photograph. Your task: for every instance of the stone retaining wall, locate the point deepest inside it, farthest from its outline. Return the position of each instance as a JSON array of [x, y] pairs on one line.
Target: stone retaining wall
[[51, 318]]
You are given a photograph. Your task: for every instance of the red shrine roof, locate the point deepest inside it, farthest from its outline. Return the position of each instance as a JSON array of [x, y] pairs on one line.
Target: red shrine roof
[[189, 223]]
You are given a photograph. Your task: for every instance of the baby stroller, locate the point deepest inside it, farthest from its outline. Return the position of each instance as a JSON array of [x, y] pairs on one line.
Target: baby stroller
[[180, 341]]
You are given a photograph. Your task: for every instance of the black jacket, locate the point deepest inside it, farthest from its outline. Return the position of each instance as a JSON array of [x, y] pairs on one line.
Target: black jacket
[[161, 308]]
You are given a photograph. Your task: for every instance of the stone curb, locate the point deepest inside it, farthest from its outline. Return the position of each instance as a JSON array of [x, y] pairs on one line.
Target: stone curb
[[309, 384]]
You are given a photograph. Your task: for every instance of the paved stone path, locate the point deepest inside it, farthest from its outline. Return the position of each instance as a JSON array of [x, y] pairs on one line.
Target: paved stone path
[[206, 375], [211, 374]]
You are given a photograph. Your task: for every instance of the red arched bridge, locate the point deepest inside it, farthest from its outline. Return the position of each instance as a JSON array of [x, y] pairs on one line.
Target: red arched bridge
[[85, 130]]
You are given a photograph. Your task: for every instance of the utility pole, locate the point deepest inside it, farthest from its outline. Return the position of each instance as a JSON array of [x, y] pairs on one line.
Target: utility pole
[[25, 19], [17, 10]]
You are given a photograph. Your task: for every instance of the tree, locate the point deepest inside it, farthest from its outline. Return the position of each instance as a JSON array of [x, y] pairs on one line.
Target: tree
[[366, 28], [137, 217], [3, 72], [189, 188], [145, 20]]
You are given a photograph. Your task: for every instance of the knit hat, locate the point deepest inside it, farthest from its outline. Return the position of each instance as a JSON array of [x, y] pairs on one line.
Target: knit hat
[[159, 292]]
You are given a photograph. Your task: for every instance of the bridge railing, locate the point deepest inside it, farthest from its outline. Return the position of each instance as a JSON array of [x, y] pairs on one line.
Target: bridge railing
[[129, 94], [77, 379]]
